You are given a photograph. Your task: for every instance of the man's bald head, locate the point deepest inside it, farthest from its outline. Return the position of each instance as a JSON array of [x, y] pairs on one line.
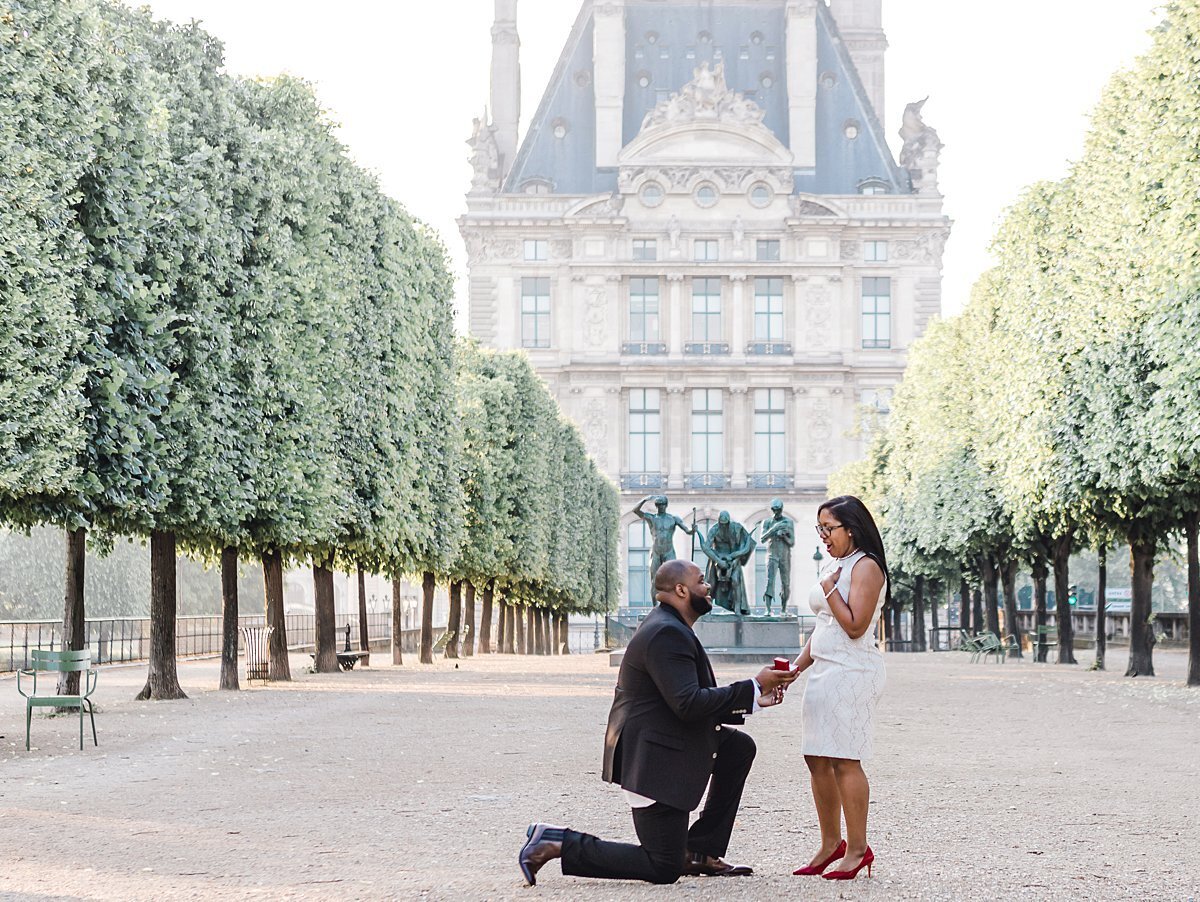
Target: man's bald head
[[671, 574]]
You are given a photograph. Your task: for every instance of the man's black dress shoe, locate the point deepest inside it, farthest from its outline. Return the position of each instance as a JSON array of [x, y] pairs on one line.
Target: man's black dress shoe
[[544, 843], [701, 865]]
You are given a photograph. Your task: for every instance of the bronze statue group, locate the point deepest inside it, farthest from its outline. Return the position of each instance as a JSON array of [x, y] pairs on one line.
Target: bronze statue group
[[728, 547], [671, 733]]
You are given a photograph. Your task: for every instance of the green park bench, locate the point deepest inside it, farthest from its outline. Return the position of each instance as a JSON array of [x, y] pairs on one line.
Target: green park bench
[[60, 662]]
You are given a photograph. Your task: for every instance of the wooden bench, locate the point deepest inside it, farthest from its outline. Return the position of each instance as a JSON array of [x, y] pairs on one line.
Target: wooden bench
[[60, 662]]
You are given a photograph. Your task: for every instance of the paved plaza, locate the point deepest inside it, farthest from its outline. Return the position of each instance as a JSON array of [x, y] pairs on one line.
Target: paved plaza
[[992, 782]]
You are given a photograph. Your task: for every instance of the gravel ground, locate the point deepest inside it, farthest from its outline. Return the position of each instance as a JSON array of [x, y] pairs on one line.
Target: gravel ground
[[991, 781]]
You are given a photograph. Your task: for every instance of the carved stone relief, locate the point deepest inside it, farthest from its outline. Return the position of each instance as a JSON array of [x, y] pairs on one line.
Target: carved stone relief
[[820, 434], [595, 430], [596, 317], [818, 311], [850, 250]]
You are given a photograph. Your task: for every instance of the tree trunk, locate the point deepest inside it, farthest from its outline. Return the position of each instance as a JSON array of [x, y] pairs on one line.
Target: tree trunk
[[1012, 627], [326, 621], [229, 618], [511, 622], [428, 584], [564, 633], [454, 623], [397, 621], [538, 644], [74, 624], [918, 618], [277, 647], [1192, 526], [548, 629], [1039, 607], [485, 618], [1101, 607], [977, 623], [162, 681], [468, 646], [364, 635], [937, 593], [501, 625], [991, 603], [1141, 631], [1062, 600], [519, 621], [964, 606]]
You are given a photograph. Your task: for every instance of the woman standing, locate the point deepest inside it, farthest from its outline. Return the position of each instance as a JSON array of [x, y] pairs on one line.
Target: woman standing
[[846, 677]]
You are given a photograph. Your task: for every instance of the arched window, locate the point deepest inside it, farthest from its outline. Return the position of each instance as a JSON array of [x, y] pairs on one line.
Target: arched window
[[638, 565]]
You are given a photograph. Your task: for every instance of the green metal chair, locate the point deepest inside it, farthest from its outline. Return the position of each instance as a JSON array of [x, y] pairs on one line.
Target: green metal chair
[[60, 662]]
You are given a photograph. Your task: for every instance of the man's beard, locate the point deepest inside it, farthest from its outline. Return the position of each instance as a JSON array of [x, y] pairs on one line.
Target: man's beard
[[701, 604]]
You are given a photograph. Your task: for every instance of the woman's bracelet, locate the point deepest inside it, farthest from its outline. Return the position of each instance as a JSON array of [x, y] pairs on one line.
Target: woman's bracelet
[[832, 589]]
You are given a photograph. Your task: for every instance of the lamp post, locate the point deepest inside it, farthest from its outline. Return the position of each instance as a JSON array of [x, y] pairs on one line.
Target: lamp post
[[817, 558]]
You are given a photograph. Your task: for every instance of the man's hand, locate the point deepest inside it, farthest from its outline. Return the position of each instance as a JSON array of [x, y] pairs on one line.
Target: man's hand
[[774, 683]]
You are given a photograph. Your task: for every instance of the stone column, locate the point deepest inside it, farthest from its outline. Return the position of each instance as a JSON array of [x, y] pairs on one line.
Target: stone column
[[675, 314], [737, 424], [675, 429], [737, 314]]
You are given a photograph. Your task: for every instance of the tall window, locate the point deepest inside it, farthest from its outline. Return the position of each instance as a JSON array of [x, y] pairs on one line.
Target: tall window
[[645, 249], [770, 445], [766, 251], [537, 250], [707, 250], [535, 313], [645, 428], [875, 251], [768, 309], [762, 554], [877, 313], [706, 309], [643, 309], [708, 445], [638, 565]]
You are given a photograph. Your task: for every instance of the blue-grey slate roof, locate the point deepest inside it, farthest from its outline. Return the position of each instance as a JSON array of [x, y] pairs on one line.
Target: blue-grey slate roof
[[665, 43]]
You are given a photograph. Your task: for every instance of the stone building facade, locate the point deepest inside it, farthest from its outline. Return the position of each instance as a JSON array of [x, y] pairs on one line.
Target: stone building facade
[[707, 249]]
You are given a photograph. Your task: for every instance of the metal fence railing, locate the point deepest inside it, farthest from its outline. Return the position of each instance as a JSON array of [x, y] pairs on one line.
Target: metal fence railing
[[126, 640]]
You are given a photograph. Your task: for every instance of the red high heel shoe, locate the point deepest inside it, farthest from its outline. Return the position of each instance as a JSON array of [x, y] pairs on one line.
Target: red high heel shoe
[[819, 867], [850, 875]]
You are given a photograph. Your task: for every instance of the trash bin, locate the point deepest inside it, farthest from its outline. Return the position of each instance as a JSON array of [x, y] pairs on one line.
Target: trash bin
[[258, 659]]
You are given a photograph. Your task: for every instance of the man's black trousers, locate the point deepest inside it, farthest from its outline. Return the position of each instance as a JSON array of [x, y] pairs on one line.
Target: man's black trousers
[[663, 831]]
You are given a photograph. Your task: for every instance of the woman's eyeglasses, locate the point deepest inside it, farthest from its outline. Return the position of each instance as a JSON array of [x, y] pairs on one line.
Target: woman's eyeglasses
[[825, 531]]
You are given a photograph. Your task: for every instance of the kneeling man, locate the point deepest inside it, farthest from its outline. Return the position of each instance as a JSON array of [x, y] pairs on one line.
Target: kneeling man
[[667, 736]]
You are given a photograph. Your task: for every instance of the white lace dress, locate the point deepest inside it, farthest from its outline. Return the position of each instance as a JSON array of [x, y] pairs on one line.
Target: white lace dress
[[845, 680]]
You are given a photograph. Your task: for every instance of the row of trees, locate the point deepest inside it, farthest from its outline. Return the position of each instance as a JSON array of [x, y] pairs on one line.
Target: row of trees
[[220, 335], [1061, 410]]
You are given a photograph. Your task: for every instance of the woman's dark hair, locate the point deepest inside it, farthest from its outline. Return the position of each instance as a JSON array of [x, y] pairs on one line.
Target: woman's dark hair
[[860, 525]]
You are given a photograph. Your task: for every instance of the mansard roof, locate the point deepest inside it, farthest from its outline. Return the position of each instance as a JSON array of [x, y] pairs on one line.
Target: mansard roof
[[664, 45]]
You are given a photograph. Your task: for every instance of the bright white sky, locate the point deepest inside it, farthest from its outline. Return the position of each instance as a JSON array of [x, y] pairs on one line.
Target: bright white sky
[[1011, 85]]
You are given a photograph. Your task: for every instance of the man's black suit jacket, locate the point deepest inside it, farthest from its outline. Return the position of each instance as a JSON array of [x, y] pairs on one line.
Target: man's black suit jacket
[[666, 718]]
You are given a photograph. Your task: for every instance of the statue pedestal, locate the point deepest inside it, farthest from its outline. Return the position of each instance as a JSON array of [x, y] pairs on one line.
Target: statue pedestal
[[746, 640]]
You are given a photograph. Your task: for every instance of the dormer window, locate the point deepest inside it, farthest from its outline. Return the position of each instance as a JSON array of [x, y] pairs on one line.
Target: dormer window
[[872, 186]]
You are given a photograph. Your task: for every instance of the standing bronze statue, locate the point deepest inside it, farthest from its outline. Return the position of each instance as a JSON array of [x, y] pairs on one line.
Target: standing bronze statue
[[728, 548], [779, 537], [662, 527]]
